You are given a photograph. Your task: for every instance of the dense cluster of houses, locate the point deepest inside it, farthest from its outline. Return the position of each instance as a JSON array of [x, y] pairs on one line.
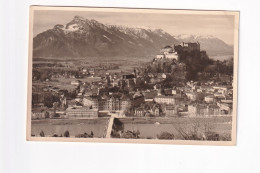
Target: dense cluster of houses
[[194, 99]]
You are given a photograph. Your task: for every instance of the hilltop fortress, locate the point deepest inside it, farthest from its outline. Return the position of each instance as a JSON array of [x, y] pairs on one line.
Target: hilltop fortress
[[169, 52]]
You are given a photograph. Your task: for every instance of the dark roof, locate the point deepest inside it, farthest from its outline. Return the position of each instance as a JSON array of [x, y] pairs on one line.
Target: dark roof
[[167, 46], [168, 91], [150, 95], [125, 97]]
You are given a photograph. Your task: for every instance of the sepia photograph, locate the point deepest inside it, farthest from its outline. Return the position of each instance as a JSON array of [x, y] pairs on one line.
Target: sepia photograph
[[122, 75]]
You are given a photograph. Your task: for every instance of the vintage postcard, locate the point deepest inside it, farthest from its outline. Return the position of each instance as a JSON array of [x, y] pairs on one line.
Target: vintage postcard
[[132, 75]]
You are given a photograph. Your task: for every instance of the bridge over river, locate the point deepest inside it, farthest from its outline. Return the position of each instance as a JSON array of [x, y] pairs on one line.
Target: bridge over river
[[109, 127]]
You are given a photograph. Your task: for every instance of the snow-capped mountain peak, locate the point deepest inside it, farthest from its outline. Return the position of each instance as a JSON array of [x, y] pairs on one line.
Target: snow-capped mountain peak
[[87, 37], [189, 37], [84, 37]]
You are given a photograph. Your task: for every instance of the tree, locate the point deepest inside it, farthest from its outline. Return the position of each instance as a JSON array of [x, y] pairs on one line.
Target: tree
[[42, 134], [36, 75], [128, 111], [200, 97], [66, 134], [165, 135], [72, 94], [198, 129], [49, 99], [44, 75], [47, 114], [55, 135]]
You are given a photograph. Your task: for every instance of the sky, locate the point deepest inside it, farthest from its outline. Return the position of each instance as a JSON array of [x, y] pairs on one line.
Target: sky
[[220, 26]]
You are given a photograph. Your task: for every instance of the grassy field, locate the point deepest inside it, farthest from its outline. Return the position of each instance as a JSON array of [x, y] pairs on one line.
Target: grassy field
[[74, 126], [150, 129], [126, 64], [64, 83]]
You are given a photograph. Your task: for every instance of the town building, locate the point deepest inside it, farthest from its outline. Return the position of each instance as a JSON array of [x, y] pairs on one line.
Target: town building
[[170, 110], [226, 108], [167, 52], [221, 89], [38, 115], [204, 110], [81, 112], [161, 75], [76, 82], [187, 47], [139, 112], [191, 96], [90, 101], [113, 102], [209, 98], [125, 102], [149, 95], [167, 49], [164, 99], [155, 111]]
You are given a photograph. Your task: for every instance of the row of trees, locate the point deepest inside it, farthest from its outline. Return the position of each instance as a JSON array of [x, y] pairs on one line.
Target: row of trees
[[161, 66], [48, 98], [43, 75], [221, 67], [66, 134]]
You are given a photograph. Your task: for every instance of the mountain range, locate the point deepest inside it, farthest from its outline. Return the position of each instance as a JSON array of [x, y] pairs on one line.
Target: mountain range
[[213, 46], [83, 38]]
